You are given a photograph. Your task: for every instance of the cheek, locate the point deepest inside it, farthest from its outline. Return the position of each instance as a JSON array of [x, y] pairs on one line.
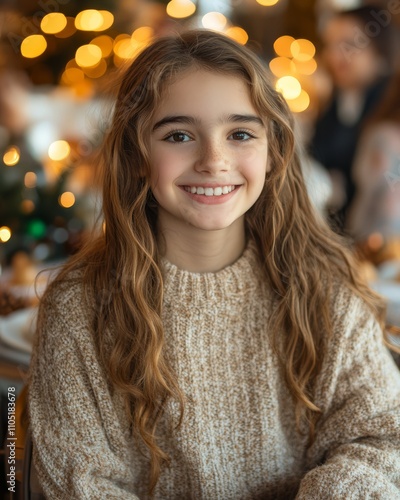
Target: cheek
[[255, 163], [164, 168]]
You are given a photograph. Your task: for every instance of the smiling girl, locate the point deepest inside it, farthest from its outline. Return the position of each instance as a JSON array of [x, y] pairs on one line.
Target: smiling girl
[[215, 341]]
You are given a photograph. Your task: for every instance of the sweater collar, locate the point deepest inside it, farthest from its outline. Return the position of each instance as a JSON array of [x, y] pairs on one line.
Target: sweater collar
[[238, 277]]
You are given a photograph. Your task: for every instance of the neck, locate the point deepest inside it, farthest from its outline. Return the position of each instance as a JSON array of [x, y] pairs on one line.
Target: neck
[[202, 251]]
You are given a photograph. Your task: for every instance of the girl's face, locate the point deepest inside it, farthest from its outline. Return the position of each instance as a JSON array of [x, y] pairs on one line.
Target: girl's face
[[208, 153]]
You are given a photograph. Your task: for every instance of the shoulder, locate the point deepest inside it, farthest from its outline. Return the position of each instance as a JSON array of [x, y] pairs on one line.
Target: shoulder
[[355, 327], [347, 306], [64, 341], [65, 295], [66, 313]]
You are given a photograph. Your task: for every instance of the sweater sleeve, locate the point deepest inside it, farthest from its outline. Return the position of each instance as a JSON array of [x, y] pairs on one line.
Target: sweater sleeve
[[356, 453], [81, 450]]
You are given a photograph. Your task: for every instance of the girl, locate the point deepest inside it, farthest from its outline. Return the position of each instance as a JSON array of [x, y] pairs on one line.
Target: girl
[[215, 341]]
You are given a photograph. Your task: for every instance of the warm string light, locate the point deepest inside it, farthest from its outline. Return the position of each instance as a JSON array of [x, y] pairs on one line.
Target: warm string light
[[288, 86], [214, 21], [5, 234], [30, 179], [53, 23], [94, 20], [105, 43], [295, 60], [238, 34], [69, 29], [33, 46], [59, 150], [88, 20], [180, 9], [11, 156], [88, 55], [267, 3], [96, 71], [127, 47], [67, 199], [27, 206]]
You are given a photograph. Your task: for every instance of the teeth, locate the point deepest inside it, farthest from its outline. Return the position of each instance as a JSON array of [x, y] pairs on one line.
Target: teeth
[[208, 191]]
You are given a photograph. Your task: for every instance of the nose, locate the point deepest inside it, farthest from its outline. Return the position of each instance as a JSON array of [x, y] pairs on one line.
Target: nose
[[212, 158]]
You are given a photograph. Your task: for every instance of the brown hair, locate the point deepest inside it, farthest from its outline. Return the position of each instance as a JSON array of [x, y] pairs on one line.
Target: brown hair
[[301, 256]]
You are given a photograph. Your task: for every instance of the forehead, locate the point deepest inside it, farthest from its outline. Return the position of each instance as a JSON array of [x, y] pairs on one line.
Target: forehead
[[205, 91]]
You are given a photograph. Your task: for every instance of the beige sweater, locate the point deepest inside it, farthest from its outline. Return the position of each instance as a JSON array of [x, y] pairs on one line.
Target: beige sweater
[[238, 439]]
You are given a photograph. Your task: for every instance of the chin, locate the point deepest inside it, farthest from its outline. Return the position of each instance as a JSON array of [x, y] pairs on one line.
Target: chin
[[211, 225]]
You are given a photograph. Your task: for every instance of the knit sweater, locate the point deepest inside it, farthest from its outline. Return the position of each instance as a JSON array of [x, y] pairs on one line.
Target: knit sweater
[[238, 439]]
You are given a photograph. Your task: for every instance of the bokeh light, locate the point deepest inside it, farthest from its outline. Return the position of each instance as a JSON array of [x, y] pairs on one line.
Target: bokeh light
[[69, 29], [282, 46], [180, 9], [71, 76], [305, 67], [53, 23], [27, 206], [300, 103], [30, 179], [5, 234], [302, 49], [267, 3], [89, 20], [36, 228], [238, 34], [289, 87], [144, 34], [105, 43], [214, 21], [33, 46], [108, 20], [282, 66], [375, 241], [60, 235], [97, 71], [11, 156], [123, 48], [59, 150], [89, 55], [67, 199]]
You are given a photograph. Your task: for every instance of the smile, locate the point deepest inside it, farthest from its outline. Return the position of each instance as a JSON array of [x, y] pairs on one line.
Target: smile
[[209, 191]]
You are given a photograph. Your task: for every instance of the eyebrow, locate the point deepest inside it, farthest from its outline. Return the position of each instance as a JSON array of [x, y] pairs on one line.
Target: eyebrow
[[191, 120]]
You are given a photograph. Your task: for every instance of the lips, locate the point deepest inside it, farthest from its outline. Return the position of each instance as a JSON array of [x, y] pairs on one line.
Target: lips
[[209, 191]]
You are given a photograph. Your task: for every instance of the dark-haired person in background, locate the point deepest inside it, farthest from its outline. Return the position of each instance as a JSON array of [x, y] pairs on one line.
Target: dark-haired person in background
[[359, 65]]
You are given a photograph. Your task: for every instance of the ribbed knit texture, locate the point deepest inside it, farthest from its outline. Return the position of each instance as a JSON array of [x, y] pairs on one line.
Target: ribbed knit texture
[[238, 439]]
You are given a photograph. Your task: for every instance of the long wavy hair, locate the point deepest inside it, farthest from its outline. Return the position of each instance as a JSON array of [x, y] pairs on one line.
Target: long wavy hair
[[301, 257]]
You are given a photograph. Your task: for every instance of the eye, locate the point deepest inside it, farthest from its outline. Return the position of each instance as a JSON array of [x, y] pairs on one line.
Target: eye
[[241, 135], [177, 136]]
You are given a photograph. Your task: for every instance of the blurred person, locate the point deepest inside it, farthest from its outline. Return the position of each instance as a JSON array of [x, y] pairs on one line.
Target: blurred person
[[359, 65], [376, 172]]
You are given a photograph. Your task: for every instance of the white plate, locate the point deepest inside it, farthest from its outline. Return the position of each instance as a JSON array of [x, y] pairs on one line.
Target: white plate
[[17, 329]]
